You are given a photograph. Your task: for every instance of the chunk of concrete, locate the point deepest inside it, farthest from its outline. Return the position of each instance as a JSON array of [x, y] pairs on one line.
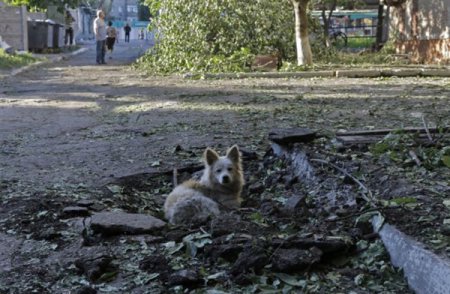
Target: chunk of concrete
[[292, 135], [289, 260], [426, 272], [74, 211], [113, 223]]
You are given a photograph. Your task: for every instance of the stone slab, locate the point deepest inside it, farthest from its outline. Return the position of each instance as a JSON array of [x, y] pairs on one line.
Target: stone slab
[[291, 135], [117, 222]]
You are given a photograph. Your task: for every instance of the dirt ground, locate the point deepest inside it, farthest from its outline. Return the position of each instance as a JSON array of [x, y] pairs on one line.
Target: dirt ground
[[72, 128]]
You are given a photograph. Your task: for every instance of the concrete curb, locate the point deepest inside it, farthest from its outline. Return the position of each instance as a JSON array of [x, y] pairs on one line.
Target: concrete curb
[[304, 74], [57, 58], [344, 73], [426, 272]]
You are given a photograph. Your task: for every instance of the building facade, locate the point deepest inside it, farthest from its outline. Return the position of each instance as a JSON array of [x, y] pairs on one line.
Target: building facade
[[124, 10], [421, 29]]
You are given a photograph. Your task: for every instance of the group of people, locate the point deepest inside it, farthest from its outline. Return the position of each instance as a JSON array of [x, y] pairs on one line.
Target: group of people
[[105, 36]]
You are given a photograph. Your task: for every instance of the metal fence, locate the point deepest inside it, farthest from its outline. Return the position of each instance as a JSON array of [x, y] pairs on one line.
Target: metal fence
[[356, 31]]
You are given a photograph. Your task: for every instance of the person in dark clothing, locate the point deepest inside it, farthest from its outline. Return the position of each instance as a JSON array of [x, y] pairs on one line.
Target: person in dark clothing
[[68, 37], [111, 35], [127, 29]]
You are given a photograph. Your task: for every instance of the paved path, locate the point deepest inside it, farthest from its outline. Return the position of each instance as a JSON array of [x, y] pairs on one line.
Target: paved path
[[124, 53], [54, 117], [77, 122]]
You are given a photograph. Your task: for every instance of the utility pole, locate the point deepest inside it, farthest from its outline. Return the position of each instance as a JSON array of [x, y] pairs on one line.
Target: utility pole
[[126, 10]]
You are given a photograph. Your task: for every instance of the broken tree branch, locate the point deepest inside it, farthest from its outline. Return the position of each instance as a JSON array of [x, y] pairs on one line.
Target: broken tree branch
[[368, 197]]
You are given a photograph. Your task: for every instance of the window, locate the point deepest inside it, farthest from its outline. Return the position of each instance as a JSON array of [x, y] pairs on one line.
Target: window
[[132, 8]]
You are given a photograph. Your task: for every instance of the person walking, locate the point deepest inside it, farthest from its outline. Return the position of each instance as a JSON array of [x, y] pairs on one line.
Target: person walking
[[68, 21], [100, 36], [111, 35], [127, 30]]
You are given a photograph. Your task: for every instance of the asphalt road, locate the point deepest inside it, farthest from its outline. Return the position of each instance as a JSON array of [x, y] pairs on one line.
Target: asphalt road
[[54, 117]]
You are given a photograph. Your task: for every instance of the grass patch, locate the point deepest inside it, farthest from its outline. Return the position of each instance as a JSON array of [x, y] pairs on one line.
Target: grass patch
[[360, 42], [333, 58], [9, 61]]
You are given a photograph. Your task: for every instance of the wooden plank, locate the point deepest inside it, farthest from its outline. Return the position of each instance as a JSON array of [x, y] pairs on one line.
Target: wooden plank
[[387, 131], [370, 139], [348, 140]]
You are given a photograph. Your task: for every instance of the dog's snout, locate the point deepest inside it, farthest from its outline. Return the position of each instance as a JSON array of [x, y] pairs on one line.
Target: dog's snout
[[226, 179]]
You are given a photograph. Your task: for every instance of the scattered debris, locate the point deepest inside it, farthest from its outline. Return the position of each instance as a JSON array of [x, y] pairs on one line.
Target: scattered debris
[[98, 268], [303, 223], [187, 278], [291, 260]]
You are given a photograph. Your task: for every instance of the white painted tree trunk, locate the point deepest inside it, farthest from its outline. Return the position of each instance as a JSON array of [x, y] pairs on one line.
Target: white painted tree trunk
[[304, 54]]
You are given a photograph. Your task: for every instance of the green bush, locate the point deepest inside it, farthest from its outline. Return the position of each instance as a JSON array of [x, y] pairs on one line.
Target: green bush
[[215, 36]]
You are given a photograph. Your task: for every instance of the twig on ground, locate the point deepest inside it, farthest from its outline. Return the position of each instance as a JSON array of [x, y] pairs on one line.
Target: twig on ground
[[414, 157], [355, 214], [427, 130], [175, 177]]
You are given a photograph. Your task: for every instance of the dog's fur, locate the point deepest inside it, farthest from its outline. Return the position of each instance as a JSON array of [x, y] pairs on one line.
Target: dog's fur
[[219, 188]]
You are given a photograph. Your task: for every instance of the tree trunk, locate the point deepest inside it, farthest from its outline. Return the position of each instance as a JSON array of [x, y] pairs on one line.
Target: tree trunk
[[304, 54], [379, 35], [327, 20], [326, 29]]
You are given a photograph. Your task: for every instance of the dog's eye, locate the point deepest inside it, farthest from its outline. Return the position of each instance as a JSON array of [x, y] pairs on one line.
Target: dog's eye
[[218, 171], [230, 169]]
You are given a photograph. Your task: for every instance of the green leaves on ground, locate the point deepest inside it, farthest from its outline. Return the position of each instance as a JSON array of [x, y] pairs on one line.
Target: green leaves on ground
[[8, 61], [407, 149], [196, 241]]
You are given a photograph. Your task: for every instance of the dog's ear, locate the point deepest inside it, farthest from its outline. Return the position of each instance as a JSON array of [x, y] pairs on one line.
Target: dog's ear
[[210, 156], [233, 154]]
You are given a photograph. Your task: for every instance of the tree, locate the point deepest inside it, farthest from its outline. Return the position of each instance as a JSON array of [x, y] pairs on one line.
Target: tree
[[304, 54], [143, 11], [211, 35], [41, 5]]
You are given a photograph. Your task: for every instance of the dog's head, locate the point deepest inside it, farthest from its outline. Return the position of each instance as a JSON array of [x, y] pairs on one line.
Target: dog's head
[[224, 170]]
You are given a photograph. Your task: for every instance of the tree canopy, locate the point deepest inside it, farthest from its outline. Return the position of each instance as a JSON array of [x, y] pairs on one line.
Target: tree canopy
[[210, 35], [43, 4]]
